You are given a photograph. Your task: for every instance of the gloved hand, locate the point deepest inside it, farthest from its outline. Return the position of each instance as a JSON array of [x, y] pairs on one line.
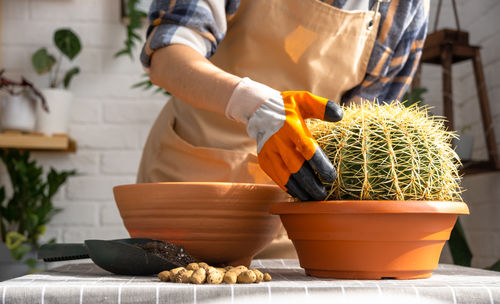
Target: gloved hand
[[286, 150]]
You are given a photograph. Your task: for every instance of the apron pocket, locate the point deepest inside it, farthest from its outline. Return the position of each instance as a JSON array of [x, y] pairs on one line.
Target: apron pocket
[[186, 162]]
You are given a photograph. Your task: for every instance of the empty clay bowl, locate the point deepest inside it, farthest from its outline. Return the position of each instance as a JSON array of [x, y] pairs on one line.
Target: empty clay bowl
[[218, 223]]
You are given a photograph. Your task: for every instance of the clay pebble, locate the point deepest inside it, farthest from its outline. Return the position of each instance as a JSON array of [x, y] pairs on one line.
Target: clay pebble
[[202, 273]]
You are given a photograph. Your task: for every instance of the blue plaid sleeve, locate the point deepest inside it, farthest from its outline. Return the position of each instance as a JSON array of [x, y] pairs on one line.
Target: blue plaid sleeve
[[200, 24], [396, 53]]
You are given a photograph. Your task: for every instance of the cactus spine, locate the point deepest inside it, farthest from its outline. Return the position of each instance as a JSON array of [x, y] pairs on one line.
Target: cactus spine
[[389, 152]]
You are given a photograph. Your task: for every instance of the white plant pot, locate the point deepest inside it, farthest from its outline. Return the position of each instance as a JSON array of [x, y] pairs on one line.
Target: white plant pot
[[18, 113], [56, 121]]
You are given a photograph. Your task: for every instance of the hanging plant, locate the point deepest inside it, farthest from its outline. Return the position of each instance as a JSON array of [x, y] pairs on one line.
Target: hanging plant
[[135, 22]]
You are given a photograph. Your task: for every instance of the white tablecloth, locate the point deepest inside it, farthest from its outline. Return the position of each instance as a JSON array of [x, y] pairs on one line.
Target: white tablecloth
[[87, 283]]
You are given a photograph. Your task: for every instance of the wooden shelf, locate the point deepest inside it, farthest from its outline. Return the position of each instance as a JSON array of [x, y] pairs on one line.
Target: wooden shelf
[[37, 141]]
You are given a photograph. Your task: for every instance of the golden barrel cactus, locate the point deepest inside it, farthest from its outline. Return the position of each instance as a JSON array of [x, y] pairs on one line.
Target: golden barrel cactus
[[389, 152]]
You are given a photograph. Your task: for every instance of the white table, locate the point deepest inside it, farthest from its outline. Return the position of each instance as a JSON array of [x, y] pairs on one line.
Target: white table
[[87, 283]]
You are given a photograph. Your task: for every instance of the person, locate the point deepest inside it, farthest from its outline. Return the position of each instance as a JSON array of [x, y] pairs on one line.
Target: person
[[245, 75]]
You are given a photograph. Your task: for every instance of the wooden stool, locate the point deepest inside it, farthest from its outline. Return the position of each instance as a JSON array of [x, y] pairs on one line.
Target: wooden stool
[[445, 47]]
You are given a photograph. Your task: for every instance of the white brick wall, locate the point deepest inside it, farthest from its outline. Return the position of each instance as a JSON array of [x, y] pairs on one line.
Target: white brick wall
[[480, 19], [110, 121]]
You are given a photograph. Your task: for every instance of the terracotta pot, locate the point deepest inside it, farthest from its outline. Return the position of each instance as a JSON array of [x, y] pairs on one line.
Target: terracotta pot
[[369, 239], [218, 223]]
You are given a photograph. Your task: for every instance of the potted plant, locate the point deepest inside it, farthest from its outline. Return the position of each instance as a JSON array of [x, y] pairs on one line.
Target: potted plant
[[18, 104], [393, 204], [58, 99], [26, 212]]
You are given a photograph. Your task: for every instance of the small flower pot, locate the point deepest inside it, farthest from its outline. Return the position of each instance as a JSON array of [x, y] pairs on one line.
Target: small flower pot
[[369, 239], [56, 121], [18, 113]]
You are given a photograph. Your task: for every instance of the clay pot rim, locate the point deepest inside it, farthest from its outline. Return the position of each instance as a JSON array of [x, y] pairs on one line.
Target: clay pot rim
[[369, 207], [197, 184]]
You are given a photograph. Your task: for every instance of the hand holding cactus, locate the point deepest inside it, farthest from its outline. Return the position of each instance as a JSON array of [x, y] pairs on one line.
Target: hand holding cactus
[[286, 150], [290, 155]]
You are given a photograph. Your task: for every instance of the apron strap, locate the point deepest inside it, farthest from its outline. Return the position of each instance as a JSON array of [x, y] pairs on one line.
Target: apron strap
[[376, 9], [376, 5]]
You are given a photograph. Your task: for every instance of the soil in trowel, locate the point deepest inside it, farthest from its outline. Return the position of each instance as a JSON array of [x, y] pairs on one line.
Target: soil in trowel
[[168, 251]]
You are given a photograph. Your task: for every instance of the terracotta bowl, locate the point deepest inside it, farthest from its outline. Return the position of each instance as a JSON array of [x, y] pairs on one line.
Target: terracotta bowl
[[369, 239], [218, 223]]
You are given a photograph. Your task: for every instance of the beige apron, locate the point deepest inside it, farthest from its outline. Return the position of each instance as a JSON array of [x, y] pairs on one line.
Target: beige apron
[[285, 44]]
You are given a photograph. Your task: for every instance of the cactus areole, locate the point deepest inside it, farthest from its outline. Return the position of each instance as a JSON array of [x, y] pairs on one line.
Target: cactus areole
[[394, 202]]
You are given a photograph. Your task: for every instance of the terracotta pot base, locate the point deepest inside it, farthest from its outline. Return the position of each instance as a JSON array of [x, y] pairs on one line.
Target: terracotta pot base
[[369, 275], [369, 239]]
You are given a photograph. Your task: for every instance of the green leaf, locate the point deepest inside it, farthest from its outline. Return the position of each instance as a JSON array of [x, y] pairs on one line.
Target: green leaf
[[40, 230], [122, 52], [135, 23], [67, 42], [2, 195], [135, 36], [141, 84], [32, 223], [56, 179], [147, 84], [42, 61], [19, 252], [69, 75], [12, 212], [495, 267], [414, 96], [31, 262], [14, 239], [459, 247]]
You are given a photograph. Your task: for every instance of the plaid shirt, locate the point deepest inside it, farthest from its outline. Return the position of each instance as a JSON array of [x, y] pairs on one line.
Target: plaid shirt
[[202, 25]]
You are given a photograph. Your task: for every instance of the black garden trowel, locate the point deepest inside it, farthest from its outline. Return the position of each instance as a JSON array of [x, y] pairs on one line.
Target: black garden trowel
[[123, 256]]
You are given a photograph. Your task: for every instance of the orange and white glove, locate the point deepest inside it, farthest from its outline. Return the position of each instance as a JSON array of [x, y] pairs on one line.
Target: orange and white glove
[[286, 150]]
